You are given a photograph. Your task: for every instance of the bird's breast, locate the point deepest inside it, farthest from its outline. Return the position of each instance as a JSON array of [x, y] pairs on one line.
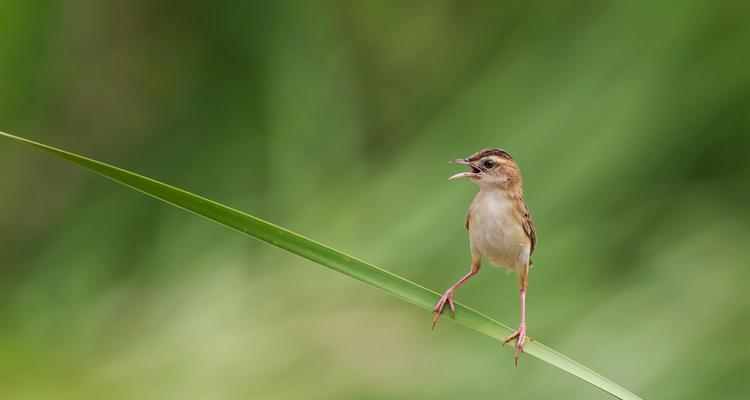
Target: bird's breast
[[496, 230]]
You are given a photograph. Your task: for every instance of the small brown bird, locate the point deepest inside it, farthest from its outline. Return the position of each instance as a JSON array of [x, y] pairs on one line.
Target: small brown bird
[[499, 225]]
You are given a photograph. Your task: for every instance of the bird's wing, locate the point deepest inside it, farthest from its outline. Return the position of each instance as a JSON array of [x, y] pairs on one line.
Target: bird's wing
[[528, 226], [468, 216]]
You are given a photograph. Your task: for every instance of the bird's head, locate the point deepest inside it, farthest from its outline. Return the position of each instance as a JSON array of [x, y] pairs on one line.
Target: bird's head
[[490, 168]]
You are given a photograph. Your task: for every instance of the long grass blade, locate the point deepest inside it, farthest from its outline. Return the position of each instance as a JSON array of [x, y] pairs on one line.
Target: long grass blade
[[331, 258]]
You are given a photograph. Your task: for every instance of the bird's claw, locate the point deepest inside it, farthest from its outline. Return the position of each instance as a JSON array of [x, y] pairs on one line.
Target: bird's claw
[[519, 334], [447, 298]]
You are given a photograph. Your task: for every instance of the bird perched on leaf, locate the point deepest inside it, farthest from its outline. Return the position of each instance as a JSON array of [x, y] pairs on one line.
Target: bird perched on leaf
[[500, 227]]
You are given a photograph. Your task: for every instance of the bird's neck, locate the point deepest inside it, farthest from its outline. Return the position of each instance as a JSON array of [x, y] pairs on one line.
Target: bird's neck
[[505, 191]]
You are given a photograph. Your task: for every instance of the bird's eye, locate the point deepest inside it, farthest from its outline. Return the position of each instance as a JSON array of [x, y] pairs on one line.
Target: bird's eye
[[488, 164]]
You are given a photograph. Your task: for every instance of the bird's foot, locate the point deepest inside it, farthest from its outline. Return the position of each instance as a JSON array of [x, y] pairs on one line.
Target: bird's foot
[[519, 334], [447, 298]]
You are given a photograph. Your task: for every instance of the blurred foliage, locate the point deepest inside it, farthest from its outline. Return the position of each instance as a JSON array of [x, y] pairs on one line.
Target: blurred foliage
[[630, 121]]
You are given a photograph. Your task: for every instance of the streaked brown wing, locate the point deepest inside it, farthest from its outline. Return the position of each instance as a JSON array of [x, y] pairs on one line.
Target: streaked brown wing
[[528, 227]]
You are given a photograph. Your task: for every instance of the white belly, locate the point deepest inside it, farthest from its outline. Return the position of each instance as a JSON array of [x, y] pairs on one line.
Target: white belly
[[496, 231]]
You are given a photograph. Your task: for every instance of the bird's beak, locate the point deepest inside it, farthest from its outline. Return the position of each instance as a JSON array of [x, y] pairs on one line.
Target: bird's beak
[[473, 174]]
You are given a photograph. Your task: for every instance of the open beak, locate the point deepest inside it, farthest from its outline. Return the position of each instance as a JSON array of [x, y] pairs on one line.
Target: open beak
[[473, 174]]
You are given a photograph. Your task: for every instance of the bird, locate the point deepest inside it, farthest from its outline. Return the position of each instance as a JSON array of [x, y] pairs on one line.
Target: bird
[[500, 228]]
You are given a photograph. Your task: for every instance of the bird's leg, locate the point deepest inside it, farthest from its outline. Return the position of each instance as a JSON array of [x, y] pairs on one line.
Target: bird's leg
[[520, 333], [447, 297]]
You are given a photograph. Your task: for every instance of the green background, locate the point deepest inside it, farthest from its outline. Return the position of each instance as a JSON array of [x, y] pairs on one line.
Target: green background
[[630, 121]]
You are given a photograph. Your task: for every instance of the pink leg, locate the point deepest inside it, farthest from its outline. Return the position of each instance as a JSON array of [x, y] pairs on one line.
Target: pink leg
[[520, 333], [448, 295]]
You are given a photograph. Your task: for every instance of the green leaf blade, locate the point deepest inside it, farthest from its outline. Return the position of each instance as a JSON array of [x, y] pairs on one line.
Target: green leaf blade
[[327, 256]]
